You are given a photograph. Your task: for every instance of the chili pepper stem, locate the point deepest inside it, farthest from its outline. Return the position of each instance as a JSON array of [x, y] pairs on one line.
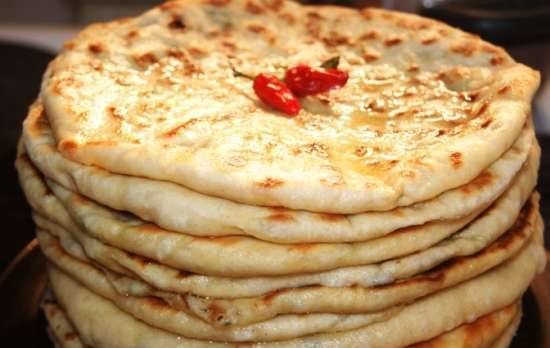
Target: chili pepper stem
[[237, 73]]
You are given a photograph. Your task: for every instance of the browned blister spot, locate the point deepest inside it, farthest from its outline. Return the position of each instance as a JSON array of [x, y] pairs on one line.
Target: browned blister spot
[[150, 228], [269, 297], [183, 274], [225, 241], [174, 131], [231, 46], [331, 217], [78, 198], [97, 66], [397, 212], [412, 68], [155, 302], [336, 39], [504, 90], [142, 261], [497, 60], [370, 55], [443, 31], [413, 24], [67, 145], [456, 159], [486, 123], [428, 40], [511, 240], [253, 7], [177, 54], [288, 17], [113, 113], [474, 331], [302, 247], [489, 48], [218, 3], [281, 217], [69, 336], [197, 52], [367, 14], [392, 41], [65, 82], [478, 109], [256, 28], [40, 120], [465, 48], [132, 34], [312, 15], [433, 279], [369, 35], [274, 5], [96, 47], [176, 23], [317, 149], [146, 59], [269, 183], [484, 179]]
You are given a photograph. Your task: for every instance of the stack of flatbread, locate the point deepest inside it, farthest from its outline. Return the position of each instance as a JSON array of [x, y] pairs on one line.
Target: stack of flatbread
[[177, 210]]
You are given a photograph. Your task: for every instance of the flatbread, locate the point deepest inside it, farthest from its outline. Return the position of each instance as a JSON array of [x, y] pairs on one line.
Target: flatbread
[[506, 338], [224, 256], [157, 313], [60, 329], [176, 208], [173, 280], [224, 313], [472, 335], [357, 299], [438, 313], [482, 333], [135, 97]]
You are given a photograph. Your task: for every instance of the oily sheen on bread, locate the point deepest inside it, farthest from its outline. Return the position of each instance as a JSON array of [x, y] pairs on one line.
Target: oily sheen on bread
[[176, 208]]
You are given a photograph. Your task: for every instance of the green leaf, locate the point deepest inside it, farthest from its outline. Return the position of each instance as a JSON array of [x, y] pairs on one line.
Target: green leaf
[[332, 63]]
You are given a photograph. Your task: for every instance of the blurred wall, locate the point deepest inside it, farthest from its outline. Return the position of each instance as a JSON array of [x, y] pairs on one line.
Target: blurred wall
[[69, 12], [36, 11], [78, 12]]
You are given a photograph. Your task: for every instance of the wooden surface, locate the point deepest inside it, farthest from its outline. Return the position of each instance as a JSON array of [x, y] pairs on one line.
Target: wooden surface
[[20, 73]]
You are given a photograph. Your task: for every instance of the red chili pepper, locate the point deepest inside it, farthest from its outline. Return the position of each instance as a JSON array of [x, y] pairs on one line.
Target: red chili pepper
[[304, 80], [275, 93]]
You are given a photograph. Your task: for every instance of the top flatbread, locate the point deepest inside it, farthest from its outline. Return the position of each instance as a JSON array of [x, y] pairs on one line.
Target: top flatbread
[[426, 108]]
